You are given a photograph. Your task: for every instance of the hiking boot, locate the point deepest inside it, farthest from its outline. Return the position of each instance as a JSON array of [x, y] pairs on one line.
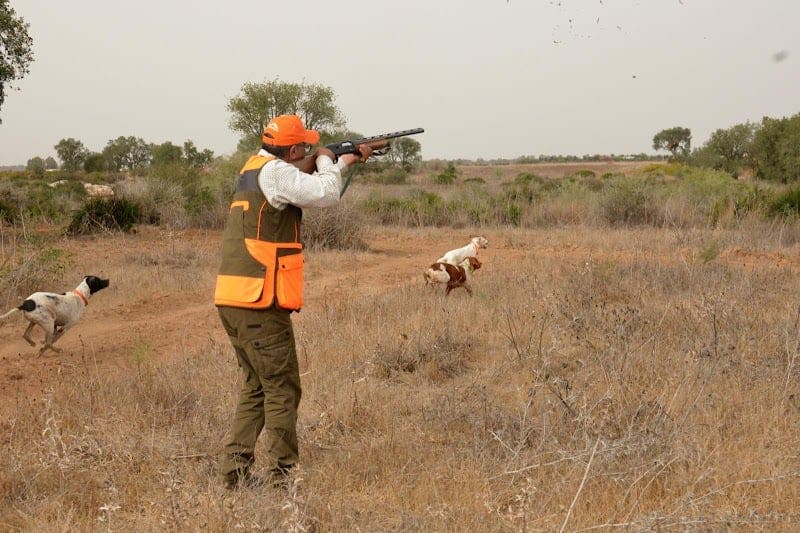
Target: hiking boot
[[237, 478], [276, 478]]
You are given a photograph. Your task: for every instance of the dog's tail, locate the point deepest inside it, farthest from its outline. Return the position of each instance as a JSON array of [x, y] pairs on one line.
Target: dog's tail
[[3, 317], [27, 305]]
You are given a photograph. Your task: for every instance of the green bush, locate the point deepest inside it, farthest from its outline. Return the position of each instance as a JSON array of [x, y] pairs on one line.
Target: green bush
[[100, 214], [391, 176], [421, 208], [776, 149], [510, 213], [786, 203], [629, 202], [28, 198], [9, 211], [520, 193], [528, 178], [448, 176], [592, 183]]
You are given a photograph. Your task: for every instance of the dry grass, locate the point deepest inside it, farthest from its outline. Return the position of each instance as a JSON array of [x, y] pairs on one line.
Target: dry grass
[[635, 378]]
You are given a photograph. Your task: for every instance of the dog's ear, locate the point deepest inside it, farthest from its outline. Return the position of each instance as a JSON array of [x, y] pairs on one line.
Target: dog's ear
[[95, 284]]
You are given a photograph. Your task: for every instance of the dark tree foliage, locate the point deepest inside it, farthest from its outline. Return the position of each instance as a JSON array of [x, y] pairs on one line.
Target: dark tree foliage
[[16, 52], [776, 149], [258, 102], [72, 152]]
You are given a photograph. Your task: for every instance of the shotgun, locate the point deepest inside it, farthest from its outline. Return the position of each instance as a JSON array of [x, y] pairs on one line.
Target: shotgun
[[378, 143]]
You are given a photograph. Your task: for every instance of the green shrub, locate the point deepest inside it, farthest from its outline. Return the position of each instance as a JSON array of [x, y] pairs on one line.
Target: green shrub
[[391, 176], [786, 203], [8, 209], [34, 199], [592, 183], [100, 214], [528, 178], [448, 176], [629, 202], [585, 174], [654, 167], [428, 203], [474, 181], [776, 149], [477, 214], [521, 193], [421, 208], [510, 213]]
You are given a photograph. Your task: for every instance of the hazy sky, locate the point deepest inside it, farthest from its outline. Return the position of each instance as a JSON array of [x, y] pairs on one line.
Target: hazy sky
[[485, 78]]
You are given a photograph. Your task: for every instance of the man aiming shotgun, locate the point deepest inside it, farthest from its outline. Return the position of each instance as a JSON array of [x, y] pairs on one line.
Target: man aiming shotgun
[[260, 283]]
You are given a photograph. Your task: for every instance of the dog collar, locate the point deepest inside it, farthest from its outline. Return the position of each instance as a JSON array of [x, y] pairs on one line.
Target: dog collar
[[81, 296], [476, 248]]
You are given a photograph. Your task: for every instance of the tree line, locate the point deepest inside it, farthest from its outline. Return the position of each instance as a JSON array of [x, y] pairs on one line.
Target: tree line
[[121, 154], [769, 149], [249, 110]]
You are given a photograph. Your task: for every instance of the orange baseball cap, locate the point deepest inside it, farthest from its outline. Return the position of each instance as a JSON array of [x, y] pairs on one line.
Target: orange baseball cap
[[287, 130]]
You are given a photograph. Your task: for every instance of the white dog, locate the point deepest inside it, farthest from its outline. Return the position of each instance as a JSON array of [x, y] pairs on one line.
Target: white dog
[[457, 256], [56, 313]]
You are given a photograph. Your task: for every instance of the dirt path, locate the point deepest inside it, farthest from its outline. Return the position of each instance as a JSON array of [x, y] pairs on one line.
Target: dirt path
[[170, 321]]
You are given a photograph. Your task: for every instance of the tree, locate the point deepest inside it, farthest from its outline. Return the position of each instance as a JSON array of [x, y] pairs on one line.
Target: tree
[[675, 140], [71, 152], [50, 163], [166, 153], [16, 52], [36, 166], [194, 157], [405, 152], [94, 162], [776, 149], [728, 149], [258, 102], [127, 153]]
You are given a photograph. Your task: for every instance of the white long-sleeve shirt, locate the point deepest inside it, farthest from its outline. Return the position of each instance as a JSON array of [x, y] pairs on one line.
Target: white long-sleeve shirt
[[283, 183]]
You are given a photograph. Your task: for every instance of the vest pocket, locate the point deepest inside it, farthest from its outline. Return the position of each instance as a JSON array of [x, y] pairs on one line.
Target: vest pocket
[[237, 289], [289, 286]]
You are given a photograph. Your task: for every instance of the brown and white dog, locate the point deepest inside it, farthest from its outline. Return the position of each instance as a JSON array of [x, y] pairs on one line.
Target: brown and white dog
[[457, 256], [56, 313], [453, 275]]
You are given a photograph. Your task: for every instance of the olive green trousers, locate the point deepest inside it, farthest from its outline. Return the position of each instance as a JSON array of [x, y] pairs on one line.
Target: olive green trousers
[[270, 392]]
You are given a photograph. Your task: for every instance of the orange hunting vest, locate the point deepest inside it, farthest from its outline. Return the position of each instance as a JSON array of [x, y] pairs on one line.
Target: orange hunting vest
[[262, 258]]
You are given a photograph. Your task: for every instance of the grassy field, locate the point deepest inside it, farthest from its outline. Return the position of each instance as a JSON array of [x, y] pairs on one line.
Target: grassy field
[[602, 377]]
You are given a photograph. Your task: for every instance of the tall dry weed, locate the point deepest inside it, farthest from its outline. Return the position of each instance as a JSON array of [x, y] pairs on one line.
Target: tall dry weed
[[600, 380]]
